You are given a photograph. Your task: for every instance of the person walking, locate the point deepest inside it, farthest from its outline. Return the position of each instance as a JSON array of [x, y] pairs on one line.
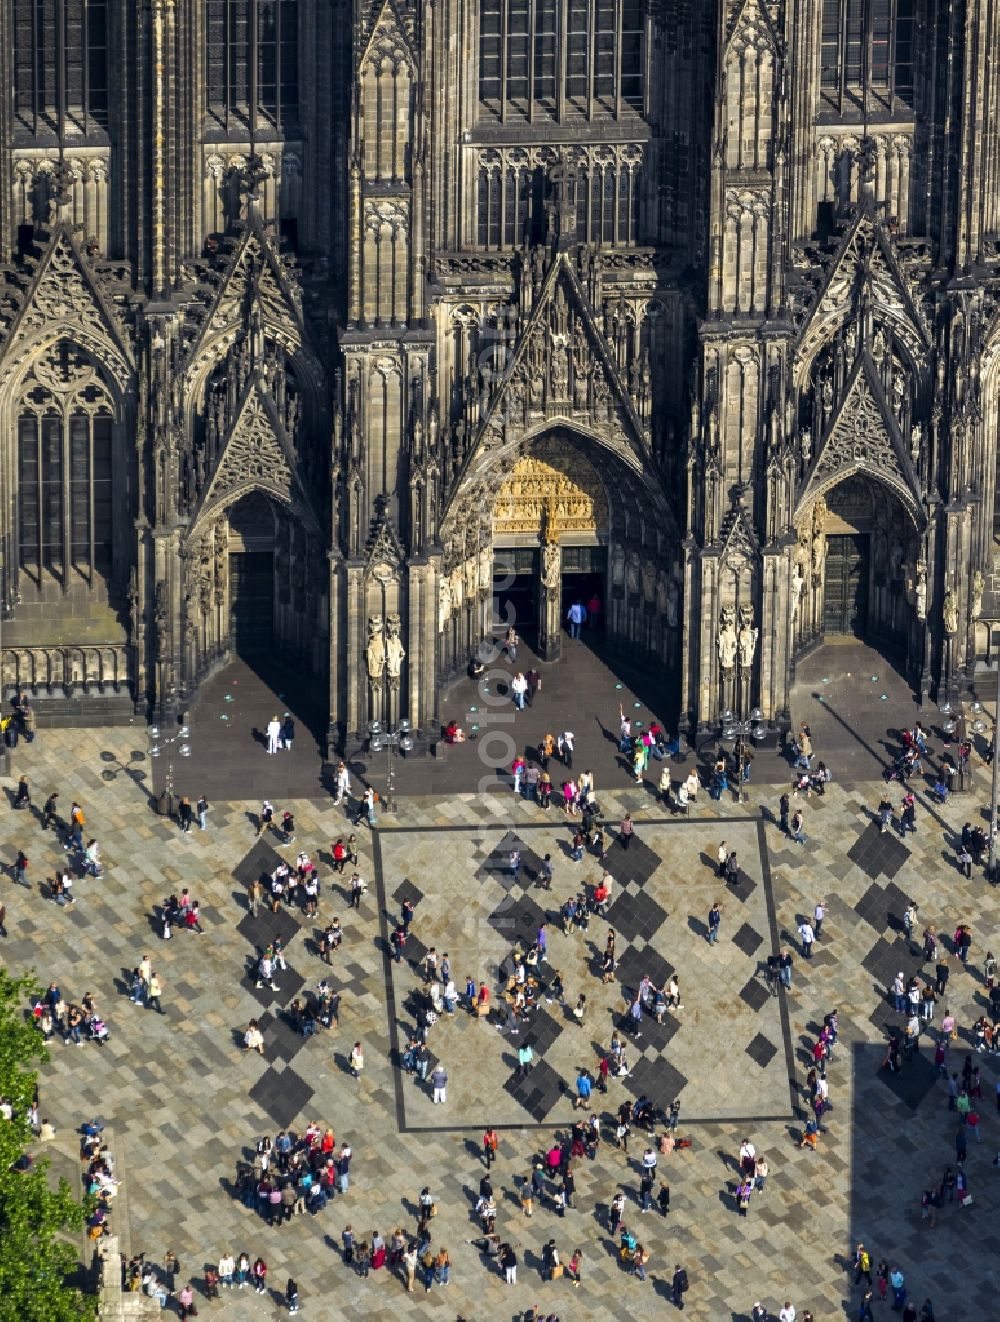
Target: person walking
[[273, 734], [723, 856], [491, 1141], [185, 814], [819, 913], [153, 992], [679, 1286], [797, 833], [201, 808]]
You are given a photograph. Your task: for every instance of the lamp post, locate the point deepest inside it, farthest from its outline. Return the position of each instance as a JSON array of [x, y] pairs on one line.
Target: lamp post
[[996, 774], [741, 730], [378, 738], [159, 744]]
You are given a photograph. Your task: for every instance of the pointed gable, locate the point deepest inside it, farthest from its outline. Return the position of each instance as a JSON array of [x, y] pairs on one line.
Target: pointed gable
[[65, 301], [751, 25], [534, 358], [255, 455], [254, 275], [865, 265], [863, 437], [386, 34]]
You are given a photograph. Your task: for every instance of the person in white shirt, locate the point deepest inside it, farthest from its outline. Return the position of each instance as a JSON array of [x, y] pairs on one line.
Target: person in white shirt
[[273, 734], [343, 784], [819, 913], [227, 1266], [808, 937], [787, 1314], [518, 688]]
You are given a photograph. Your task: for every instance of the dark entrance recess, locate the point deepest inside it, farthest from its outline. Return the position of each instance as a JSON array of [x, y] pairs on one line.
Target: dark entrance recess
[[845, 607], [515, 589], [251, 602], [584, 575]]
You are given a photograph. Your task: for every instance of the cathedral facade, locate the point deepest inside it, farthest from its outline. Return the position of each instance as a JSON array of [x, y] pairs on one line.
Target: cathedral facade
[[336, 331]]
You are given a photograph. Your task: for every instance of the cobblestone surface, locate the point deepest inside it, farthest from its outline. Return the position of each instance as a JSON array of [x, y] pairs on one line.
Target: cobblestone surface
[[178, 1091]]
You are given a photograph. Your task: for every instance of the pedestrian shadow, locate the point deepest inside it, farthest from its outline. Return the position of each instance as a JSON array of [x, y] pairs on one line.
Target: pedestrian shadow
[[697, 926]]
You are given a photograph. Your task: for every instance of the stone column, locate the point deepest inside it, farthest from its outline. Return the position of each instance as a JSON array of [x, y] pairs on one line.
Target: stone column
[[550, 604]]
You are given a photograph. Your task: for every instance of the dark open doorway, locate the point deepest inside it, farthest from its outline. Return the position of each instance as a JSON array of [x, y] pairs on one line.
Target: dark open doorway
[[584, 576], [515, 590], [251, 603]]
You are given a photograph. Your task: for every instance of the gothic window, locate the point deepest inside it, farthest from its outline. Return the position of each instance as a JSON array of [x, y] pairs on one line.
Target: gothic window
[[251, 58], [60, 67], [561, 59], [65, 432], [867, 54], [607, 202]]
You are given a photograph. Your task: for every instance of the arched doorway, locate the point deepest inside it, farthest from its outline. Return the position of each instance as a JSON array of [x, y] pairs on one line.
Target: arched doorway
[[551, 529], [251, 549], [859, 572]]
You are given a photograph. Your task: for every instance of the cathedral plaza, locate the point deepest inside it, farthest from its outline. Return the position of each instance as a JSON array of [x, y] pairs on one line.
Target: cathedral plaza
[[517, 478], [184, 1105]]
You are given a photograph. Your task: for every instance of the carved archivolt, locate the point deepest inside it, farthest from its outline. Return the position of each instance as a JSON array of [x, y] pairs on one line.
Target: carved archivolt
[[552, 491]]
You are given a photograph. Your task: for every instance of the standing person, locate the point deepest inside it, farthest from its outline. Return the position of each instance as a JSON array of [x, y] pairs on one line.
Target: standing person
[[807, 937], [273, 734], [594, 612], [292, 1296], [798, 835], [287, 731], [534, 682], [626, 830], [3, 920], [265, 817], [784, 808], [819, 913], [356, 1060], [439, 1082], [714, 922], [21, 870], [491, 1141], [723, 858], [575, 615], [201, 808], [185, 814]]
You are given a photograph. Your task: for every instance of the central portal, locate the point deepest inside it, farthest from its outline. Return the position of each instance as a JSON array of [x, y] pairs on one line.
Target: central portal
[[550, 534]]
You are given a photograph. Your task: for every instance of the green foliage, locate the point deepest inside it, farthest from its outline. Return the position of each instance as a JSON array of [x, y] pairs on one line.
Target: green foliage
[[35, 1259]]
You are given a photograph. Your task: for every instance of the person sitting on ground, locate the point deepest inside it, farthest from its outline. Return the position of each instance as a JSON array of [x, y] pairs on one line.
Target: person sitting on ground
[[453, 733]]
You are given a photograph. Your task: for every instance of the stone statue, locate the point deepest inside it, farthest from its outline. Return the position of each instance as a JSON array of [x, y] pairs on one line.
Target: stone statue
[[649, 581], [444, 602], [375, 651], [633, 568], [798, 583], [726, 641], [896, 560], [485, 569], [818, 550], [394, 650], [916, 442], [551, 565], [747, 638], [806, 444], [662, 592], [673, 601], [978, 584], [949, 613], [617, 565], [920, 592]]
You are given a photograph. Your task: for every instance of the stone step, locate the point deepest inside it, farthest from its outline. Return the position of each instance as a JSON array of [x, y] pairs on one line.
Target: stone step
[[57, 711]]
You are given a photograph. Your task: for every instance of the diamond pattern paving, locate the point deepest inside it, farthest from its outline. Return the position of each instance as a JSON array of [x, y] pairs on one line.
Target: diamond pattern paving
[[886, 1137]]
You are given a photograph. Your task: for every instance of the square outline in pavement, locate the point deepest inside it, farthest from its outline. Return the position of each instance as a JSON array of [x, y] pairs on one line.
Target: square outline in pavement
[[536, 1098]]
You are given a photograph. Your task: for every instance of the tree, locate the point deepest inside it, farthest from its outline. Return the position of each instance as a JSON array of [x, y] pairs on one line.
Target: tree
[[35, 1260]]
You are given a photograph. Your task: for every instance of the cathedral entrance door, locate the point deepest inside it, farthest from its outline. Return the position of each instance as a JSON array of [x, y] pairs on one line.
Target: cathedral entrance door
[[584, 577], [845, 602], [251, 602], [516, 590]]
